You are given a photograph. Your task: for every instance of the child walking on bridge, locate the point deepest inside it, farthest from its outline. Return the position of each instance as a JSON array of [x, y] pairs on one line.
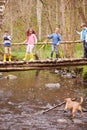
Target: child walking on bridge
[[7, 46], [83, 37], [56, 39], [30, 41]]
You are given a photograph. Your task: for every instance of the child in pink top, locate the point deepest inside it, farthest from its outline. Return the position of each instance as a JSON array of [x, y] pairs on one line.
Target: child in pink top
[[31, 41]]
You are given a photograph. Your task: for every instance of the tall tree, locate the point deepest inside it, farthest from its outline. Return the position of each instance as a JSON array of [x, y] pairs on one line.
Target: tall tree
[[63, 19], [39, 16]]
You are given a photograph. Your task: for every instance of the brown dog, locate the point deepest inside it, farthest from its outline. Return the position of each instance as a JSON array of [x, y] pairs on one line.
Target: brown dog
[[73, 106]]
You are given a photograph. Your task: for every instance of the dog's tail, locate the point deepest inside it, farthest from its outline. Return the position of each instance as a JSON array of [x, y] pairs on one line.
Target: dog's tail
[[81, 100]]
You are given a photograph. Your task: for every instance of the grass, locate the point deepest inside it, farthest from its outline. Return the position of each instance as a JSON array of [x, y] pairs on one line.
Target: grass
[[18, 52], [43, 51], [78, 50]]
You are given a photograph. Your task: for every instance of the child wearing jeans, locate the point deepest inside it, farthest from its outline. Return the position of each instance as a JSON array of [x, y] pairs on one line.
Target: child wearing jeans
[[31, 41], [56, 39]]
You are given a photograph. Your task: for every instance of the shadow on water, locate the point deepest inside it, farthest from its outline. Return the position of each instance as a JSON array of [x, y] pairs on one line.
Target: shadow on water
[[24, 96]]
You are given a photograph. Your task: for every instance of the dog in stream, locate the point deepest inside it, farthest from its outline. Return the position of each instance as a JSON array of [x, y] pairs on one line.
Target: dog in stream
[[73, 106]]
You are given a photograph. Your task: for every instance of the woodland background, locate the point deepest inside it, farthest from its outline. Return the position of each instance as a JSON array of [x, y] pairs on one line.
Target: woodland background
[[44, 16]]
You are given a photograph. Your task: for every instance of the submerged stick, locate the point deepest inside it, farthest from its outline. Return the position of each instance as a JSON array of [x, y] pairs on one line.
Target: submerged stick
[[73, 99]]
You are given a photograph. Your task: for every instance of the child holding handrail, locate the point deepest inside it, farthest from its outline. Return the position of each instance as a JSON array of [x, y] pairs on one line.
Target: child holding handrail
[[56, 39], [31, 41]]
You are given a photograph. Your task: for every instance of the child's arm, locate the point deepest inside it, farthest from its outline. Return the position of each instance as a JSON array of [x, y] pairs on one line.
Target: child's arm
[[25, 41], [9, 38], [50, 36], [78, 32], [59, 39]]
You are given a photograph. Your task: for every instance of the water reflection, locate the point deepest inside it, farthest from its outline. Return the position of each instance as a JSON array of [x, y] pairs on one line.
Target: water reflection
[[30, 85]]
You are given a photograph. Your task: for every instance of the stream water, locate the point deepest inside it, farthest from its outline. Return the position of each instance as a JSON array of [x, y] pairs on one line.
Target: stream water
[[25, 95]]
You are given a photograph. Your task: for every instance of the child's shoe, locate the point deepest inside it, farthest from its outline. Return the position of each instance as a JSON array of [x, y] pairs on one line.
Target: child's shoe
[[31, 57], [26, 57], [10, 58], [4, 60]]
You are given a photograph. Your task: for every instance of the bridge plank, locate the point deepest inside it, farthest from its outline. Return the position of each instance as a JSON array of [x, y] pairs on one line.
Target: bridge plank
[[41, 64]]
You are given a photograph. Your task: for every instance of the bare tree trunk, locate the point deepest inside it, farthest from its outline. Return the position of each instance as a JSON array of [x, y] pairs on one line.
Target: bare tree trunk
[[68, 26], [26, 8], [29, 10], [72, 27], [11, 17], [63, 26], [85, 7], [56, 12], [21, 6], [82, 15], [47, 14], [39, 14], [63, 19]]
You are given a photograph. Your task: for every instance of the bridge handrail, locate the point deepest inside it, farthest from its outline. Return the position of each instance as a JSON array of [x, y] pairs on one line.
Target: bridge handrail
[[41, 43]]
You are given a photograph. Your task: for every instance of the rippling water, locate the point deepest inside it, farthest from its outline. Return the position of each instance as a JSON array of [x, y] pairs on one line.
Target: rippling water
[[23, 98]]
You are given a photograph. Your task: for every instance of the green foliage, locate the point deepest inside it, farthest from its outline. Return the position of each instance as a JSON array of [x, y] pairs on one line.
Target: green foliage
[[78, 50], [43, 51], [84, 74], [18, 52]]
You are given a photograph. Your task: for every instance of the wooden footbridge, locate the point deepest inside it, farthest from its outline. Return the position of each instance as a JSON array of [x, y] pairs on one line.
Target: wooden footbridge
[[16, 65], [41, 64]]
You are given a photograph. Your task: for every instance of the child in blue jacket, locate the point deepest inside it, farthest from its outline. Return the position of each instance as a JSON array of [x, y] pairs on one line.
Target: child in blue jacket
[[56, 39]]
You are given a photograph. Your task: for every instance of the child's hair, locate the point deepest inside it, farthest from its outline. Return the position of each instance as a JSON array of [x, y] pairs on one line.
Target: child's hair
[[28, 31], [6, 31]]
